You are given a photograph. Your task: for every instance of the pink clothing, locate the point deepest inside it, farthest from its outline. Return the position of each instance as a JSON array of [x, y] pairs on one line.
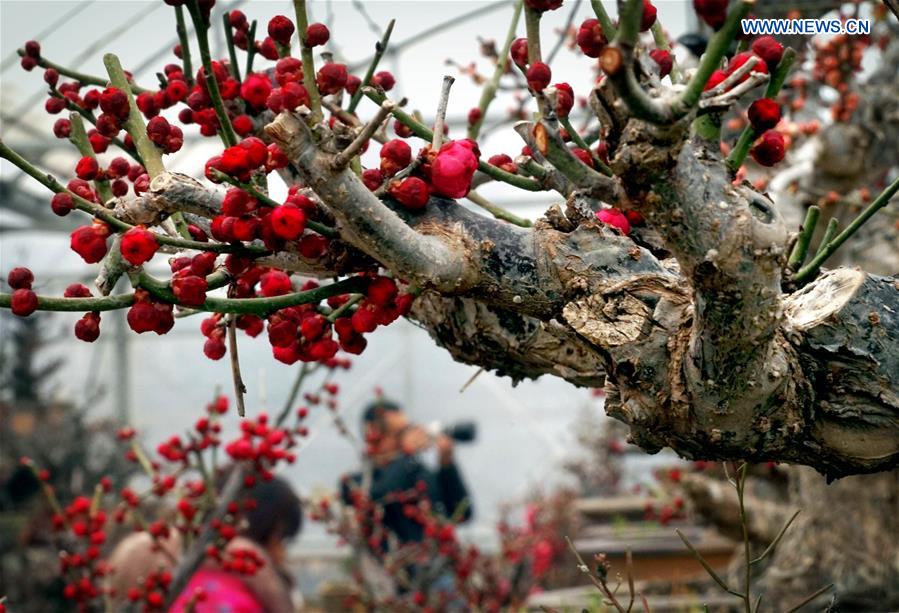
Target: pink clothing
[[225, 593]]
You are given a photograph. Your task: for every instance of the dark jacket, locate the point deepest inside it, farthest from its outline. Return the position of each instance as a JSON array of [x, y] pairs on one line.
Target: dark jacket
[[444, 487]]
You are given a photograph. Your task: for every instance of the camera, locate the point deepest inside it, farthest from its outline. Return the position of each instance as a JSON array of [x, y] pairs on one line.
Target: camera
[[461, 431]]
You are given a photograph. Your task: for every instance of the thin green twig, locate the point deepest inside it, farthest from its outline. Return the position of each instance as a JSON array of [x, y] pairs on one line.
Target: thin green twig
[[380, 49], [232, 50], [79, 138], [184, 41], [809, 271], [488, 94], [226, 130], [800, 250], [315, 103]]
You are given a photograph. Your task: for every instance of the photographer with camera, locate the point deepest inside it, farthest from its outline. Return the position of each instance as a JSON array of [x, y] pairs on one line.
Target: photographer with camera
[[394, 468]]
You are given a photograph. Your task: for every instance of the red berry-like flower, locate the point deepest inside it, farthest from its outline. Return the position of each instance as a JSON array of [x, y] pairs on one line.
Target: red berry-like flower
[[396, 154], [87, 328], [20, 278], [143, 317], [664, 59], [384, 79], [614, 217], [591, 39], [769, 149], [90, 243], [138, 245], [767, 48], [275, 283], [242, 124], [331, 78], [539, 75], [280, 28], [214, 348], [411, 192], [649, 16], [23, 302], [715, 79], [62, 204], [288, 222], [372, 178], [87, 168], [255, 89], [519, 52], [543, 5], [564, 99], [62, 128], [33, 49], [764, 114], [115, 102], [453, 169], [317, 34], [381, 291], [503, 161], [474, 116], [713, 12], [158, 130]]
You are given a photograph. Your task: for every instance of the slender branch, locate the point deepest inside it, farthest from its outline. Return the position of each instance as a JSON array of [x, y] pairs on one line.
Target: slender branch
[[489, 92], [89, 116], [184, 41], [81, 77], [708, 569], [532, 26], [343, 158], [239, 388], [107, 216], [563, 36], [810, 598], [253, 306], [134, 125], [551, 145], [79, 138], [380, 49], [497, 211], [226, 130], [773, 545], [809, 271], [251, 47], [305, 370], [440, 121], [749, 134], [162, 292], [422, 131], [308, 61], [800, 250], [608, 26], [229, 42], [101, 303]]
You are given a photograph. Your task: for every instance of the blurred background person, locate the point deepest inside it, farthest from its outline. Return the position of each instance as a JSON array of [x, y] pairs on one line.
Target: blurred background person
[[394, 466], [266, 531]]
